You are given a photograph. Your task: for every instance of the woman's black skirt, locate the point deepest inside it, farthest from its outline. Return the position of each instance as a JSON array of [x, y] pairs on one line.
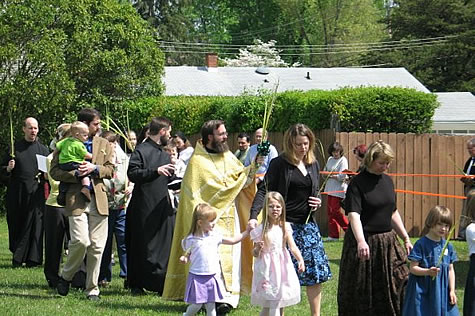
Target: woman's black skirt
[[375, 286], [469, 295]]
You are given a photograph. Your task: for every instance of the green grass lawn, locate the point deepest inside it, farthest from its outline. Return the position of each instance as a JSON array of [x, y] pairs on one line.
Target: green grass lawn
[[23, 291]]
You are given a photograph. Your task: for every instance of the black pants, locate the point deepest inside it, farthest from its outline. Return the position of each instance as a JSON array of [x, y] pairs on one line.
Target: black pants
[[56, 228], [469, 296]]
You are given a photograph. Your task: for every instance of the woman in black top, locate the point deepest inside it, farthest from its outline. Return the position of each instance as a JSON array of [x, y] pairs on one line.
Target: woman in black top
[[295, 175], [373, 269]]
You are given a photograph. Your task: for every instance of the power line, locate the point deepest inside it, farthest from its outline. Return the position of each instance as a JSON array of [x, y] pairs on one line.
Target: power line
[[303, 46], [346, 50], [321, 48]]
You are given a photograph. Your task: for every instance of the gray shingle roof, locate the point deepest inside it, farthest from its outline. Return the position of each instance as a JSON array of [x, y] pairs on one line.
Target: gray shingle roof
[[232, 81], [455, 107]]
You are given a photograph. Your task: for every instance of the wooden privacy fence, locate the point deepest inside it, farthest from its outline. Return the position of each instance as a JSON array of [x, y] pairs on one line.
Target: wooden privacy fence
[[425, 163], [425, 170]]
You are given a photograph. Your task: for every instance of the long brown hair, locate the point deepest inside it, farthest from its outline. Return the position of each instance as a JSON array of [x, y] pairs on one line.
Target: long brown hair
[[265, 217], [290, 137], [202, 211]]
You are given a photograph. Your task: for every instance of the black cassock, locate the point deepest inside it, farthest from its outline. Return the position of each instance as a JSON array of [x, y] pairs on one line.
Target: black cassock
[[150, 219], [25, 201]]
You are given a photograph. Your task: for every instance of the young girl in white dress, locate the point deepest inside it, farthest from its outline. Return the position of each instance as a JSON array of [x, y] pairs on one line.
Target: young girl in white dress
[[204, 285], [275, 284]]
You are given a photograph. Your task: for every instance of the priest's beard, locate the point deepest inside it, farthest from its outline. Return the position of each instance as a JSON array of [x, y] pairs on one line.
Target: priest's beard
[[164, 140], [219, 147]]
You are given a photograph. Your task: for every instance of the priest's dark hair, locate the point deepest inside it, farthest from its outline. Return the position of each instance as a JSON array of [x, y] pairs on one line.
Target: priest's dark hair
[[157, 124], [208, 128], [87, 115]]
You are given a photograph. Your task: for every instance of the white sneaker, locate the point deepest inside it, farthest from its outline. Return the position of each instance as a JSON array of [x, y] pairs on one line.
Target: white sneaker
[[330, 239]]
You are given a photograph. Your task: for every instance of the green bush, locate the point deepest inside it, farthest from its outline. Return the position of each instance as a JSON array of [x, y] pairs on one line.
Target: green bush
[[398, 110]]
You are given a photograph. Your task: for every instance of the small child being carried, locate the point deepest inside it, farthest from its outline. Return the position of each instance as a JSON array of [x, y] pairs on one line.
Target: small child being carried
[[431, 286], [275, 283], [204, 284], [72, 152]]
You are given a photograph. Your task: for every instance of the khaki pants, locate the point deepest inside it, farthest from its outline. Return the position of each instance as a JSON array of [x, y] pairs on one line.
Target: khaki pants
[[88, 238]]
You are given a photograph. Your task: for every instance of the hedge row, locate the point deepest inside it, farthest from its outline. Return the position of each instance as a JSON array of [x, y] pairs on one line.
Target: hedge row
[[363, 109]]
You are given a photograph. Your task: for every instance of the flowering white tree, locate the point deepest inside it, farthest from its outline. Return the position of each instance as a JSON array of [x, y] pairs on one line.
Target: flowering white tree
[[258, 54]]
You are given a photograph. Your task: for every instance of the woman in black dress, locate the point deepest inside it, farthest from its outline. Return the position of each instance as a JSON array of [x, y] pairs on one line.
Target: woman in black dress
[[373, 269]]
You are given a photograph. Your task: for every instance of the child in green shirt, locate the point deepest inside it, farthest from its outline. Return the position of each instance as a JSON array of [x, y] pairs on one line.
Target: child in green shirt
[[72, 152]]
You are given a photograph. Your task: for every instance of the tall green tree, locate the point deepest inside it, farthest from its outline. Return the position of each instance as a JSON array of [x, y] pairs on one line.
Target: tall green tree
[[312, 30], [324, 27], [445, 63], [182, 23], [60, 55]]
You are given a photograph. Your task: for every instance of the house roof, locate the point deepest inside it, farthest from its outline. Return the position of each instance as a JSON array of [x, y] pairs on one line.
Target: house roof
[[232, 81], [455, 107]]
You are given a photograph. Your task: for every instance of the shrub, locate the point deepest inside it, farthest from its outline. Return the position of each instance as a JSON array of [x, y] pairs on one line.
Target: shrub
[[397, 110]]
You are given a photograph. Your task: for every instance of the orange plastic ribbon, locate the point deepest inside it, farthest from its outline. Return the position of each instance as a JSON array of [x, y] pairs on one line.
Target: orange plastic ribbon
[[408, 174], [416, 193]]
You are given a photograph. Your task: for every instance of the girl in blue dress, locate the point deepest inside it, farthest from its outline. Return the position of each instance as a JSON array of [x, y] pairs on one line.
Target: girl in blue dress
[[431, 287]]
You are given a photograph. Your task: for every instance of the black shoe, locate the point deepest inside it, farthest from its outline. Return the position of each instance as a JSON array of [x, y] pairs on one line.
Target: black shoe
[[137, 291], [223, 308], [63, 287], [32, 264], [16, 264], [126, 284], [93, 298]]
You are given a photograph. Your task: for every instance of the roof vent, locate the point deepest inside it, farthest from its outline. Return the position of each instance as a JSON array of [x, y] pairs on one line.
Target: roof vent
[[262, 70]]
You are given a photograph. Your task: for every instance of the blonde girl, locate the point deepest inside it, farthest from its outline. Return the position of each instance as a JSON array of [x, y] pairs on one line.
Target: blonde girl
[[204, 284], [431, 286], [275, 284]]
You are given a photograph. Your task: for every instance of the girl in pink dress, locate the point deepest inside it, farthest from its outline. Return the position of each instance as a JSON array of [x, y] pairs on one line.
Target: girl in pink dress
[[275, 284]]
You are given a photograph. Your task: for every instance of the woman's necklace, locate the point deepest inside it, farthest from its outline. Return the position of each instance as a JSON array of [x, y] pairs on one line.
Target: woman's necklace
[[223, 174]]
